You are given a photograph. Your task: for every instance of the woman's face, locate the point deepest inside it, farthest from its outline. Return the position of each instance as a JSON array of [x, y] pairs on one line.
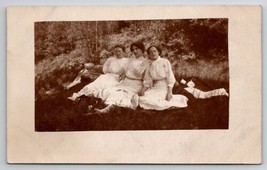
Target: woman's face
[[137, 52], [118, 52], [153, 53]]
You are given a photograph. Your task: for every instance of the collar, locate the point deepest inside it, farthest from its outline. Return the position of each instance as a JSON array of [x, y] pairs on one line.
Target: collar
[[157, 59]]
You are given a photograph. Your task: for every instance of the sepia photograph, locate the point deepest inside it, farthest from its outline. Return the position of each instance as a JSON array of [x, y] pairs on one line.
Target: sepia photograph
[[131, 75], [134, 84]]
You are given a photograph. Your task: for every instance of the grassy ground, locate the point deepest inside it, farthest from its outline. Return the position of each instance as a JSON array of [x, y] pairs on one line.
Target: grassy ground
[[56, 113]]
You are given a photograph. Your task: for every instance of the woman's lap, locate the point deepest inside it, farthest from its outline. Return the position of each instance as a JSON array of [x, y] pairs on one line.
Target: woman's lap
[[155, 98], [101, 83], [122, 94]]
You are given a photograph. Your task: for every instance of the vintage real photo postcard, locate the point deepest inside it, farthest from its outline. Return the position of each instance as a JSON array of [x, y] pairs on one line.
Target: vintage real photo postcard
[[134, 84]]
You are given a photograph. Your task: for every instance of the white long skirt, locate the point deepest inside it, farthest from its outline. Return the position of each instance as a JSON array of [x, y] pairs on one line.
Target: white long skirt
[[97, 87], [155, 98], [124, 94]]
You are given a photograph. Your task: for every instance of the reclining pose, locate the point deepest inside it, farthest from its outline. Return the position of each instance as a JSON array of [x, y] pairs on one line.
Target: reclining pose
[[113, 72]]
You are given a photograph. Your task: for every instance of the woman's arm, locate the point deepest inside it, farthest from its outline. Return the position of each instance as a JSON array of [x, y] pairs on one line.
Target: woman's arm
[[170, 80], [124, 68], [170, 76], [147, 82], [106, 66], [169, 94]]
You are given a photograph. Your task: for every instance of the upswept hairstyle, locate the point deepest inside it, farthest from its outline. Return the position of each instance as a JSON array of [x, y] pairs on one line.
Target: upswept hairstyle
[[158, 48], [138, 45], [119, 46]]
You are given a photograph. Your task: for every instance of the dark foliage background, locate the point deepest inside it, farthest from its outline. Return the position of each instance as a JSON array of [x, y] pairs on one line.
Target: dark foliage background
[[197, 48]]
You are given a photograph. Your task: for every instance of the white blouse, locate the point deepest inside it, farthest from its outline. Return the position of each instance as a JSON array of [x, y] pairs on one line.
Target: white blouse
[[136, 68], [160, 69], [115, 65]]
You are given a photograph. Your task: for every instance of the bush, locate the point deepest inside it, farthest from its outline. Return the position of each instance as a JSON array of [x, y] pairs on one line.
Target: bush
[[196, 47]]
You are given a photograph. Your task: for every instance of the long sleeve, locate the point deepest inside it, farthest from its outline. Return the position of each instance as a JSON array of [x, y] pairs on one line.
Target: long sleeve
[[106, 66], [170, 76]]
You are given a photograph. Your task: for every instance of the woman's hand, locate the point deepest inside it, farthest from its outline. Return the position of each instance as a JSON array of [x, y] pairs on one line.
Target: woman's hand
[[122, 77], [142, 92]]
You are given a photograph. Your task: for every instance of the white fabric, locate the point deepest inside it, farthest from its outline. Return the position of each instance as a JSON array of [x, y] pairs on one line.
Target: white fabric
[[136, 67], [158, 77], [155, 98], [113, 69], [115, 65], [158, 70], [125, 94], [208, 94]]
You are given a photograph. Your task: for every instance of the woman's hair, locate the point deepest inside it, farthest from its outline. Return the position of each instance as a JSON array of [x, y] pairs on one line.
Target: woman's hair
[[158, 49], [139, 45], [119, 46]]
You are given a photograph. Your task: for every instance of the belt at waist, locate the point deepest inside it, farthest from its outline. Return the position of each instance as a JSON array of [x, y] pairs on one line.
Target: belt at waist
[[159, 80], [134, 79]]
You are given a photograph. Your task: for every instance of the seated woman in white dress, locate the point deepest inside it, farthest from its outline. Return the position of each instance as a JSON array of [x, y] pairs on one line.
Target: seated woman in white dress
[[158, 83], [126, 93], [113, 70]]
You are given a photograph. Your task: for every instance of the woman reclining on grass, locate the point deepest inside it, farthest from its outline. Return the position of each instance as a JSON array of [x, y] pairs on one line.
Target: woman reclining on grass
[[113, 72]]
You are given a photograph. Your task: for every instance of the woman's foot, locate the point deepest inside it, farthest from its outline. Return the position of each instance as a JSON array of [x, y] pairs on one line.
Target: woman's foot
[[71, 98], [75, 96], [134, 101], [105, 110]]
